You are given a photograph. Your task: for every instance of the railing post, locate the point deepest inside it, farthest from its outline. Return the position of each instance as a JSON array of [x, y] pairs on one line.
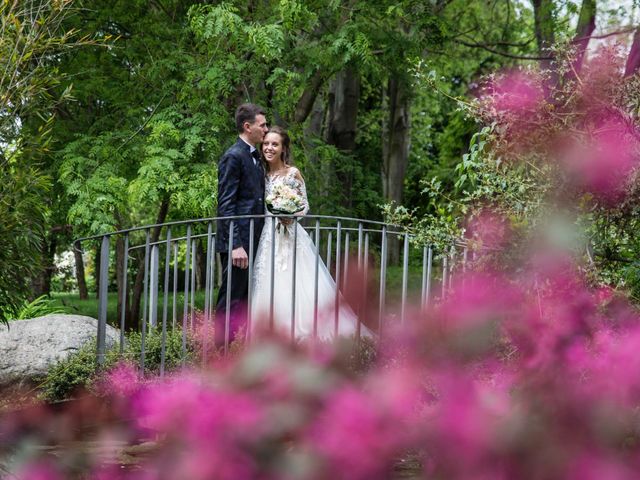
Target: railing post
[[427, 258], [125, 261], [193, 282], [329, 246], [250, 286], [293, 280], [365, 281], [445, 269], [174, 303], [360, 229], [336, 312], [102, 300], [405, 278], [465, 254], [153, 286], [272, 273], [143, 330], [346, 259], [315, 282], [165, 300], [185, 304], [207, 303], [383, 286], [452, 256], [227, 313]]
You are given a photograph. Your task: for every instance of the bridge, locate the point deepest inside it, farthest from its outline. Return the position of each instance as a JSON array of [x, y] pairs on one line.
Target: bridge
[[169, 260]]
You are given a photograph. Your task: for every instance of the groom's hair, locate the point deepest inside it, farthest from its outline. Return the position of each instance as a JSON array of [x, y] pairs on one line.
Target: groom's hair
[[247, 112]]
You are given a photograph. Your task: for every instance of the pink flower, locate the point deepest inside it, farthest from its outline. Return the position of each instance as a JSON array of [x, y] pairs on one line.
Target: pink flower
[[40, 470], [356, 436], [516, 92], [123, 380], [602, 163]]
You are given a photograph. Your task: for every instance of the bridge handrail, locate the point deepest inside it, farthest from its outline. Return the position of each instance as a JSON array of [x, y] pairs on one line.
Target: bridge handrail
[[232, 217]]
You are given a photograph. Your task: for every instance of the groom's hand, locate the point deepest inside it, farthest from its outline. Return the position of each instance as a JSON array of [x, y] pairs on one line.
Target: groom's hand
[[239, 258]]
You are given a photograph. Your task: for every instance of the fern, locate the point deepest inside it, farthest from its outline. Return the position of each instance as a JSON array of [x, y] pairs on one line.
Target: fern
[[39, 307]]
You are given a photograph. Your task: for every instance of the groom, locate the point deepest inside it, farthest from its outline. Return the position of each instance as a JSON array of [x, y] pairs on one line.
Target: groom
[[240, 192]]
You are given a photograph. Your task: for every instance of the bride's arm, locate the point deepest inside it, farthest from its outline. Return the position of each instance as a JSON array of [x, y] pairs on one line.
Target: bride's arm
[[302, 191]]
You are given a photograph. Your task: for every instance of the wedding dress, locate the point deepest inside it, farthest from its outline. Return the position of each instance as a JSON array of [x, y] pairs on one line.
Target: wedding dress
[[304, 282]]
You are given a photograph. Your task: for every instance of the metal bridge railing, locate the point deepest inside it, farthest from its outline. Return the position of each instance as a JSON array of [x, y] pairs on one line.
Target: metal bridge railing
[[173, 256]]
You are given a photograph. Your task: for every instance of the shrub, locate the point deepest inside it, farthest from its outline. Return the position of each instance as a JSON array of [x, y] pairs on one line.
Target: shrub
[[174, 357], [81, 370], [71, 374], [39, 307]]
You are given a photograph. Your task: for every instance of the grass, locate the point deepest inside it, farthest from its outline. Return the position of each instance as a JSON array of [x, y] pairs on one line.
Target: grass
[[89, 307]]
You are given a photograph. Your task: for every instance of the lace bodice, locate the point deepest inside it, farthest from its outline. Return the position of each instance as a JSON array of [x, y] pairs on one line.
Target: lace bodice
[[291, 178]]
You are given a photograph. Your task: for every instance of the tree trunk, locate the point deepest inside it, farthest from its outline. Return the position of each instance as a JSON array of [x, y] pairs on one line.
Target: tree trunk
[[80, 278], [633, 60], [133, 318], [312, 133], [306, 101], [41, 284], [396, 143], [343, 116], [201, 265], [586, 26], [544, 22]]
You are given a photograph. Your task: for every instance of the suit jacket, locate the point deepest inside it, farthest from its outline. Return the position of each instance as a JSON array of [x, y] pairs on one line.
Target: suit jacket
[[240, 192]]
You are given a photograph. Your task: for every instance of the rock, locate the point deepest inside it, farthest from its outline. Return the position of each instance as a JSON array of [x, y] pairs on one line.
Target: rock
[[28, 348]]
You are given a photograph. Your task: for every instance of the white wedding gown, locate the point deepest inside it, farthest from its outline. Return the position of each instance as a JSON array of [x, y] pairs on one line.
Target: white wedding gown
[[303, 325]]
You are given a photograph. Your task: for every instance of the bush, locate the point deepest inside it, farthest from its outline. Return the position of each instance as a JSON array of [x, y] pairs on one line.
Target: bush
[[81, 370], [39, 307], [72, 374], [153, 349]]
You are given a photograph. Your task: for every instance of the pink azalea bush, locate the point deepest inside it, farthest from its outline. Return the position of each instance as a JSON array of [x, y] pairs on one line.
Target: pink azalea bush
[[581, 127], [504, 379]]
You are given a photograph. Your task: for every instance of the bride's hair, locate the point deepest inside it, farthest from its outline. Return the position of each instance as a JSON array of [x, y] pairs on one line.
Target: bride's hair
[[286, 143]]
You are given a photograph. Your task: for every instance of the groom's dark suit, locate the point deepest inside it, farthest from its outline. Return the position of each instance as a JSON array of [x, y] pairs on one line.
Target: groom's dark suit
[[240, 192]]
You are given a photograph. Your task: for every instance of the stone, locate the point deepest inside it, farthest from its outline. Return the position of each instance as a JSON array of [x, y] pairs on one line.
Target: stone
[[28, 348]]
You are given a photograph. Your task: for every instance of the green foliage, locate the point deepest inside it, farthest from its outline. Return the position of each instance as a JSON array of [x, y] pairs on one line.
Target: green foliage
[[72, 374], [39, 307], [22, 215], [81, 370], [153, 349], [32, 35]]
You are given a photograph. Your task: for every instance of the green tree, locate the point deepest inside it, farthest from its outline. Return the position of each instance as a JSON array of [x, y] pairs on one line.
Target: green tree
[[32, 37]]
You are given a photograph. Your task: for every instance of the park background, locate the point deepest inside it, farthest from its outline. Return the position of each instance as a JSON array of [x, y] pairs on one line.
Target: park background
[[115, 113], [511, 125]]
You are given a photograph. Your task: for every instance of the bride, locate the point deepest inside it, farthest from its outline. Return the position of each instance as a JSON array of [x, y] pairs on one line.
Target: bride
[[279, 174]]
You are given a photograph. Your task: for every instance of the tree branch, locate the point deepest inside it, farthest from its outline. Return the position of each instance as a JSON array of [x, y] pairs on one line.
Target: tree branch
[[607, 35], [305, 102], [504, 54], [144, 124]]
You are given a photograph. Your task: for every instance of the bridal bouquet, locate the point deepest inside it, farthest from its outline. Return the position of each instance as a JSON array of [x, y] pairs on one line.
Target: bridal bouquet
[[284, 199]]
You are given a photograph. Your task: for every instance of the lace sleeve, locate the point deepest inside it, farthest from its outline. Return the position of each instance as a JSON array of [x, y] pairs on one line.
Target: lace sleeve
[[302, 191]]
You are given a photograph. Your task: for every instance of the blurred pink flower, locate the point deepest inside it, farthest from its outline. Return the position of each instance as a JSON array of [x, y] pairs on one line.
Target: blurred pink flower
[[39, 470], [601, 164], [490, 229], [516, 92], [599, 466], [356, 436], [123, 379]]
